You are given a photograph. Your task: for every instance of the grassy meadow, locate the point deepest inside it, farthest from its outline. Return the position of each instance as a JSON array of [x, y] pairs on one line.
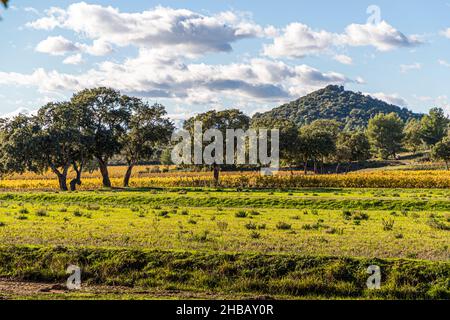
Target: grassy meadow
[[293, 243]]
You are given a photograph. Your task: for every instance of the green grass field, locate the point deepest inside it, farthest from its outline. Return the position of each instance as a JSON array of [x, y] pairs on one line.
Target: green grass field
[[290, 244]]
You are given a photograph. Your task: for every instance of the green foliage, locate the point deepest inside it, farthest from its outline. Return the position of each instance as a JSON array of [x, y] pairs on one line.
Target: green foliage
[[289, 138], [334, 103], [351, 146], [107, 113], [252, 274], [317, 140], [388, 224], [147, 131], [96, 124], [413, 135], [385, 133], [441, 151], [283, 226], [434, 126]]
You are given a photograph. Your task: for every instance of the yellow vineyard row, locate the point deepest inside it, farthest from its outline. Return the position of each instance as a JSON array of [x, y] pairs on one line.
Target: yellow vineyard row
[[375, 179]]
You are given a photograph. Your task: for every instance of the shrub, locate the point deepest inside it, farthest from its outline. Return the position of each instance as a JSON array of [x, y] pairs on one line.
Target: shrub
[[77, 213], [41, 213], [251, 226], [241, 214], [283, 226], [255, 235], [388, 224], [222, 225], [163, 213], [434, 223]]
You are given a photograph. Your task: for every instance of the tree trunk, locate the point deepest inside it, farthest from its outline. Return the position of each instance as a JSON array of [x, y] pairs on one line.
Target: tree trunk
[[62, 180], [77, 180], [315, 167], [337, 167], [103, 165], [126, 179], [216, 174], [446, 165], [62, 176], [305, 167]]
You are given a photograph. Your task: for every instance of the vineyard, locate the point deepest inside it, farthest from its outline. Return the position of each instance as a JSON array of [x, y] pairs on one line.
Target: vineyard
[[165, 177]]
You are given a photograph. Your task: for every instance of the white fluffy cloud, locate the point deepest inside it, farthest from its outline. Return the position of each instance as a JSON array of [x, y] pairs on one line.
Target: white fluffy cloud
[[382, 36], [74, 59], [180, 29], [56, 46], [344, 59], [394, 98], [298, 40], [59, 46], [154, 74]]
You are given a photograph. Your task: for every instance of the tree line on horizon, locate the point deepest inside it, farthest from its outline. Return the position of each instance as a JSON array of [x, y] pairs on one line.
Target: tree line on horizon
[[98, 125], [327, 141]]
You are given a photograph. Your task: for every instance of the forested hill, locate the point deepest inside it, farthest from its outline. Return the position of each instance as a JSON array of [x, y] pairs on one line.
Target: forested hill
[[333, 102]]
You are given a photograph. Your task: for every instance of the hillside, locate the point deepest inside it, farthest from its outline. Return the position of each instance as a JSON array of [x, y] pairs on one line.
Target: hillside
[[333, 102]]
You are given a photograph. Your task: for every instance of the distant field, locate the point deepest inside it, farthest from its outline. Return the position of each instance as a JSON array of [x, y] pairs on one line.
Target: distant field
[[348, 225], [152, 176]]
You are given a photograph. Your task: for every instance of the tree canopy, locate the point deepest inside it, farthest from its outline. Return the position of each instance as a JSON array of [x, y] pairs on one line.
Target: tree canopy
[[385, 133]]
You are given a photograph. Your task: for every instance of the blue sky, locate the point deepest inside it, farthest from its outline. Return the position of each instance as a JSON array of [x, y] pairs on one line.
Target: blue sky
[[197, 55]]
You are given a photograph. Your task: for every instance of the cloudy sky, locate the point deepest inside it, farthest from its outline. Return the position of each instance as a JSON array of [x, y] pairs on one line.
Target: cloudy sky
[[196, 55]]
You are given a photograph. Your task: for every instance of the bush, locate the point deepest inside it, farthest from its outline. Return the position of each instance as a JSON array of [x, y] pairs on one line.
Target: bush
[[222, 225], [163, 213], [255, 235], [283, 226], [241, 214], [388, 224], [41, 213], [251, 226], [77, 213], [434, 223], [23, 211]]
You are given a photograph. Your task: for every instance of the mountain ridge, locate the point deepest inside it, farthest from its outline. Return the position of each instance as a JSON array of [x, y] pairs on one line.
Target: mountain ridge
[[333, 102]]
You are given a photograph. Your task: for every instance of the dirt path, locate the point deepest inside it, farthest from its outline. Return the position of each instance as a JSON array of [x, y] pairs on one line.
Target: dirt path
[[12, 289]]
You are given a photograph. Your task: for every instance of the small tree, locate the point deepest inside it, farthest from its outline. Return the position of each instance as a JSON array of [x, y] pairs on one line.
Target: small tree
[[107, 113], [359, 146], [441, 151], [343, 151], [47, 141], [385, 134], [17, 146], [220, 120], [60, 141], [147, 131], [434, 126], [351, 146], [317, 141], [289, 138], [412, 135]]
